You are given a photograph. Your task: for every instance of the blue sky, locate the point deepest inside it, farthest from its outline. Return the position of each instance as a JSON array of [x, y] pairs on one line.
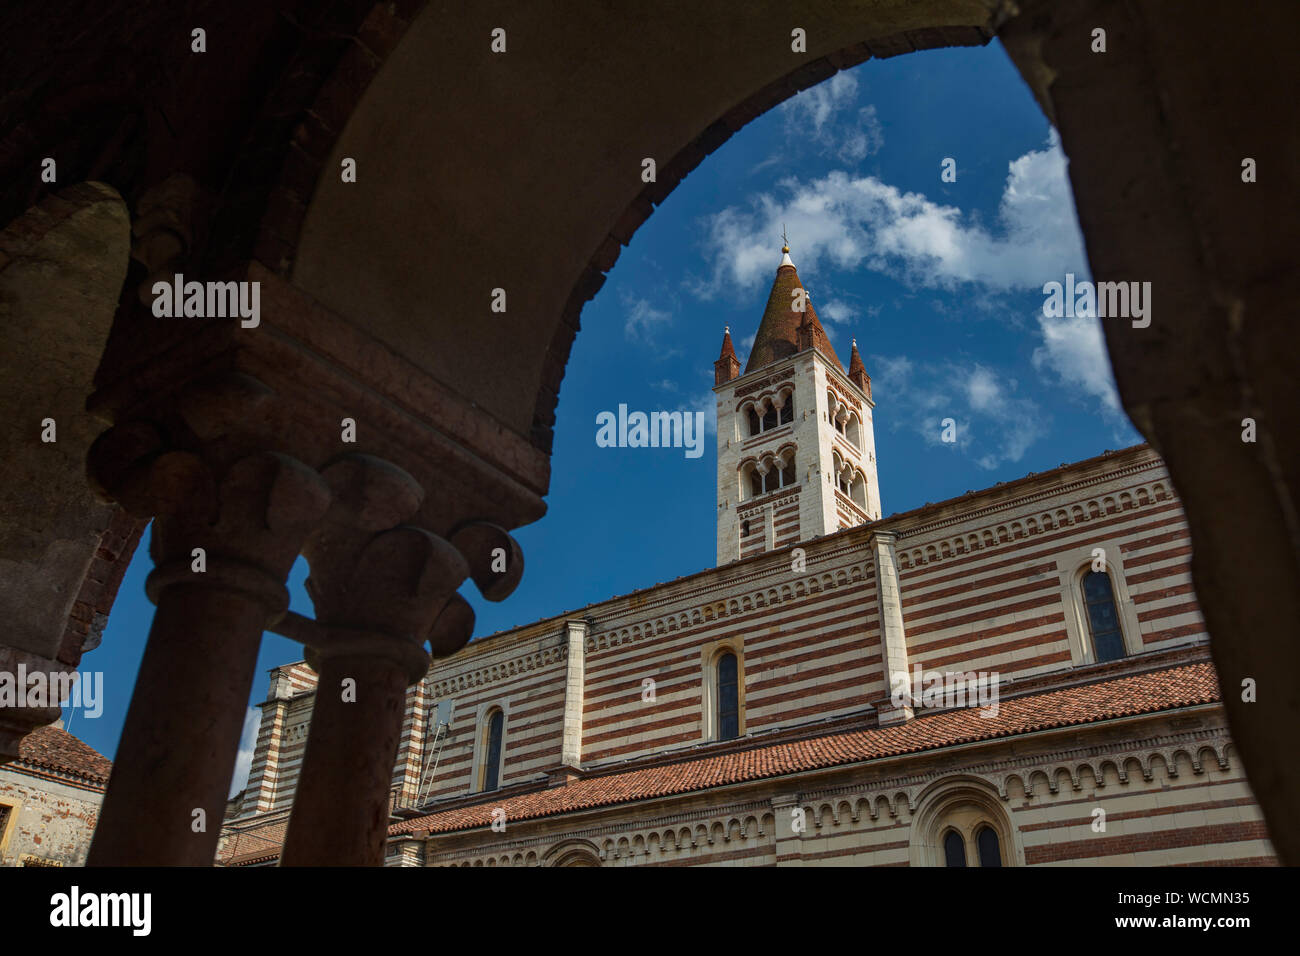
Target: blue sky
[[940, 282]]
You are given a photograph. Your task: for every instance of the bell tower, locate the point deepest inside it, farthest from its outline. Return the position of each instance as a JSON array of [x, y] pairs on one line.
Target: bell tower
[[796, 444]]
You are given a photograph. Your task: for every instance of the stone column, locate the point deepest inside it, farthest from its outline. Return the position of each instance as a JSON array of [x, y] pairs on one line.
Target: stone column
[[574, 685], [378, 587], [223, 543], [381, 589], [893, 638]]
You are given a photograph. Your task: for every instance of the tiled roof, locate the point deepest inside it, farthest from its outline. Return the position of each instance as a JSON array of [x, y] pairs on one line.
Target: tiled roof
[[253, 845], [50, 748], [1153, 691]]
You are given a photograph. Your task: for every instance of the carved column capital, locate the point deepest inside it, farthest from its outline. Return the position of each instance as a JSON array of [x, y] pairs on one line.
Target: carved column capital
[[378, 585], [238, 527]]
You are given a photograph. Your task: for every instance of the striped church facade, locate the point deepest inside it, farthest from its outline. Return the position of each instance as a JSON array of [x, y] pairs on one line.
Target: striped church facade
[[600, 737]]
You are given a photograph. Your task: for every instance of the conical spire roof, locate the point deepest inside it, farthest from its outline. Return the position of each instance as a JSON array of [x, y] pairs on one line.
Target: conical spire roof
[[855, 362], [728, 350], [778, 333], [858, 372]]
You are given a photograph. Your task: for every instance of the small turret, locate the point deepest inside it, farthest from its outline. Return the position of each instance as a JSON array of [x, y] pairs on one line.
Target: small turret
[[727, 366]]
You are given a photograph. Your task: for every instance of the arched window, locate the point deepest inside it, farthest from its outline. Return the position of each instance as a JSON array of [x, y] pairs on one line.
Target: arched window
[[728, 698], [752, 417], [962, 822], [492, 750], [954, 849], [853, 430], [787, 474], [769, 418], [787, 410], [1103, 618], [755, 484], [858, 490], [986, 841]]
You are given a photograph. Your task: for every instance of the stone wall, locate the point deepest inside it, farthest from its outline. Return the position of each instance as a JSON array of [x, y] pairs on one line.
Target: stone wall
[[45, 821]]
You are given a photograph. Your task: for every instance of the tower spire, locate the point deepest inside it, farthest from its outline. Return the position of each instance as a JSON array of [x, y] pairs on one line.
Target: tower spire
[[778, 333], [727, 366], [858, 372]]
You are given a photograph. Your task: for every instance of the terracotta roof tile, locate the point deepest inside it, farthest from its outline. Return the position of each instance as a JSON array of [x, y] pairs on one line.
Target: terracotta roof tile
[[49, 748], [1174, 687]]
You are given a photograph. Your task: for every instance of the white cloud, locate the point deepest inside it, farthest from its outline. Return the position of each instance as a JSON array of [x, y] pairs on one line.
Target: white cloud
[[808, 113], [247, 744], [993, 425], [1074, 352], [863, 140], [851, 222], [704, 402], [814, 117], [707, 403], [837, 311], [643, 319]]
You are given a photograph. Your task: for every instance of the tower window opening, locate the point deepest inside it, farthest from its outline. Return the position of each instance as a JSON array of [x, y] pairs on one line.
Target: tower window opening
[[787, 410], [769, 418]]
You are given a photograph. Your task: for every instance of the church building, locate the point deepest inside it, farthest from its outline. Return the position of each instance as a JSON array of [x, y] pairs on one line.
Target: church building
[[1017, 676]]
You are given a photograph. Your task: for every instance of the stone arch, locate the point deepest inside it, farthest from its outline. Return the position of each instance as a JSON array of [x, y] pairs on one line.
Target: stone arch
[[1093, 778], [965, 802], [1013, 787], [354, 88], [573, 852], [882, 803], [1032, 783]]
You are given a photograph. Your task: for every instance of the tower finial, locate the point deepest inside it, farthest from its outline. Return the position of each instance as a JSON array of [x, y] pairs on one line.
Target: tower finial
[[785, 240]]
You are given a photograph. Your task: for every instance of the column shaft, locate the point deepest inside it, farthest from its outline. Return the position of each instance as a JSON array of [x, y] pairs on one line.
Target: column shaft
[[181, 736], [341, 810]]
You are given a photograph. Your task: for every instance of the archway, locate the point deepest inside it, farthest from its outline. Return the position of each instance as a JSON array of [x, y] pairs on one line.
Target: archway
[[401, 269]]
